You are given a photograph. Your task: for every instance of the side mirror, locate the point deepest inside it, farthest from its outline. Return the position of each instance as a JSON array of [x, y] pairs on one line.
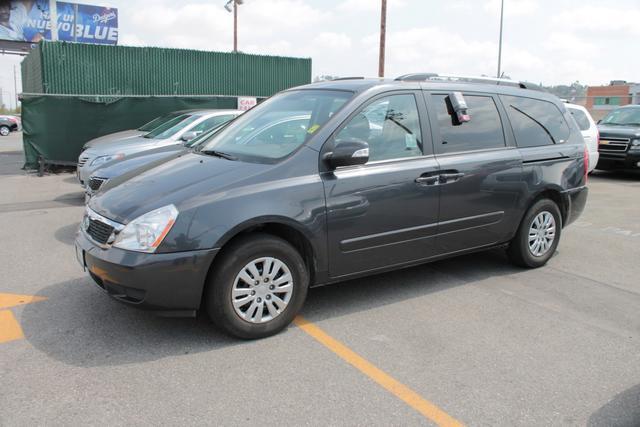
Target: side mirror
[[348, 152], [598, 122], [188, 136]]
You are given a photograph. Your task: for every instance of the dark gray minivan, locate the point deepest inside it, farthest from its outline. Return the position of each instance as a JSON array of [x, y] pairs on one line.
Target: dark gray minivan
[[336, 180]]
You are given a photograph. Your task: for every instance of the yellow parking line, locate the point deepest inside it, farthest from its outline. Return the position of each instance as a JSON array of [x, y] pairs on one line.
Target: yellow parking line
[[401, 391], [12, 300], [10, 329]]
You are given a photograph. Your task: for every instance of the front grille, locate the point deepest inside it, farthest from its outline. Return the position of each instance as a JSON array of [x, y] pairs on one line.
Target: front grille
[[99, 231], [613, 145], [82, 160], [95, 183]]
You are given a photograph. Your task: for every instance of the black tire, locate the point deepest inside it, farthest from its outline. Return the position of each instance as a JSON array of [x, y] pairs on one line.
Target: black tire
[[231, 262], [519, 251], [4, 130]]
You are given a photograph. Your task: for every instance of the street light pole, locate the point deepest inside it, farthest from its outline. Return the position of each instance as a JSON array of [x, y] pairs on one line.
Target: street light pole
[[235, 26], [383, 36], [53, 19], [232, 6], [500, 40]]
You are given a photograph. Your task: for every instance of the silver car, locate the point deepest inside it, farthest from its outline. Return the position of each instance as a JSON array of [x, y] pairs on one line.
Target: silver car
[[132, 133], [179, 129]]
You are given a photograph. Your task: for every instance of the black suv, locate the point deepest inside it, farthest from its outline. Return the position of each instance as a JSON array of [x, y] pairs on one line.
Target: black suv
[[336, 180], [619, 146]]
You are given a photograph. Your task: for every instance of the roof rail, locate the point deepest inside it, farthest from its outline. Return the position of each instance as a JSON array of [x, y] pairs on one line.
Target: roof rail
[[433, 77], [348, 78]]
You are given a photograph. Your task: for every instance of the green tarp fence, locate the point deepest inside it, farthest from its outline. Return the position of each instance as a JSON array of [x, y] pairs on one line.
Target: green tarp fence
[[55, 127]]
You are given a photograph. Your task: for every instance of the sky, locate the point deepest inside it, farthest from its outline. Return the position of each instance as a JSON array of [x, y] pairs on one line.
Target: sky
[[545, 41]]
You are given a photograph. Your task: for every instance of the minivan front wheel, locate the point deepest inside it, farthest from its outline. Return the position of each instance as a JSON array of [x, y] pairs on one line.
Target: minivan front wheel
[[257, 286], [4, 130], [538, 235]]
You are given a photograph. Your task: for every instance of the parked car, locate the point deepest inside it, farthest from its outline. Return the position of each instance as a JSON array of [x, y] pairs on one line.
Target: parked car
[[620, 139], [589, 130], [132, 133], [117, 171], [9, 124], [183, 127], [245, 225]]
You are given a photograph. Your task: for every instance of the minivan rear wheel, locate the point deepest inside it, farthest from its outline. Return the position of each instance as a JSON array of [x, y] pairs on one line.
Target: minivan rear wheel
[[4, 130], [538, 235], [257, 286]]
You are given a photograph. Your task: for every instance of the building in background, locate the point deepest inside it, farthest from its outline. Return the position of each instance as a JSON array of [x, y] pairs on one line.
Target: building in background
[[602, 99]]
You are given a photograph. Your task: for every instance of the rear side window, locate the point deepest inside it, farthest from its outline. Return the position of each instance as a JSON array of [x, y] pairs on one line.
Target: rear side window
[[580, 118], [482, 132], [535, 122]]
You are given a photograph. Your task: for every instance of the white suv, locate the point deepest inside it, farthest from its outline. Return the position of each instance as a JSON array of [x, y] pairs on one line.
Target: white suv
[[589, 131]]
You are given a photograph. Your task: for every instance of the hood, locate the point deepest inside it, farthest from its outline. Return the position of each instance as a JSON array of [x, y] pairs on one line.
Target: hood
[[619, 131], [128, 146], [126, 169], [118, 167], [130, 133], [181, 181]]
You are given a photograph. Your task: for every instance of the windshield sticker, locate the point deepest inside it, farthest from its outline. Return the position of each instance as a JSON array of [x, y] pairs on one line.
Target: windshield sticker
[[313, 128]]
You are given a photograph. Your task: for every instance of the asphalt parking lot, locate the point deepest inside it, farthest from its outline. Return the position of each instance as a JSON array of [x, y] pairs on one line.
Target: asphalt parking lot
[[481, 341]]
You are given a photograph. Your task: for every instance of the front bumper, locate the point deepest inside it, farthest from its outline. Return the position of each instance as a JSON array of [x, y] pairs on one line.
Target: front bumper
[[575, 201], [84, 172], [626, 160], [169, 282]]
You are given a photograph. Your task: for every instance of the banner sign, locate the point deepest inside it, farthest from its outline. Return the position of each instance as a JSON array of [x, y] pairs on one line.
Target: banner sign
[[29, 21]]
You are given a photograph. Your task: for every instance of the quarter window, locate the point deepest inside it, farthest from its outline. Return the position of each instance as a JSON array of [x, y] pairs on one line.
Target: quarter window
[[535, 122], [391, 127], [482, 132]]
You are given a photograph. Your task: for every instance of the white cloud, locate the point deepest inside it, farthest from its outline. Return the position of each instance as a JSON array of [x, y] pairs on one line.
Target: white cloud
[[601, 20], [369, 5], [433, 49], [513, 7]]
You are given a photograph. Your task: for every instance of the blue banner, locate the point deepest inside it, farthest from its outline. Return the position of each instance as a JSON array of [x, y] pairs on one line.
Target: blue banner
[[29, 21]]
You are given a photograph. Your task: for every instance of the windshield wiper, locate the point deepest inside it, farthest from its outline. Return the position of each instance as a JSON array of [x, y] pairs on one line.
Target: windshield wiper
[[220, 154]]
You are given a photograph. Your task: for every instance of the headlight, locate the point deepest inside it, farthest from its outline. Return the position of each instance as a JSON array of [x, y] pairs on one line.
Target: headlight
[[145, 233], [104, 159], [635, 144]]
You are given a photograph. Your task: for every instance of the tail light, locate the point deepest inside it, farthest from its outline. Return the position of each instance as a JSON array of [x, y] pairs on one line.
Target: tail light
[[586, 164]]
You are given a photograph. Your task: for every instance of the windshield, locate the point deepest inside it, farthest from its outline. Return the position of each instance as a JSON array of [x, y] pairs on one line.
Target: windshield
[[278, 126], [147, 127], [623, 116], [198, 140], [173, 126]]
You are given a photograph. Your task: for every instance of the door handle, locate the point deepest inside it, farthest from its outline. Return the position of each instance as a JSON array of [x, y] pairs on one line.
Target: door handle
[[427, 180], [446, 178]]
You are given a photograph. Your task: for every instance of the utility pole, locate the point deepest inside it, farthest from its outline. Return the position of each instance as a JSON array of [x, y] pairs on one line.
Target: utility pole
[[500, 40], [53, 19], [383, 36]]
